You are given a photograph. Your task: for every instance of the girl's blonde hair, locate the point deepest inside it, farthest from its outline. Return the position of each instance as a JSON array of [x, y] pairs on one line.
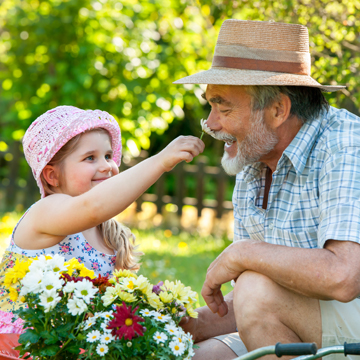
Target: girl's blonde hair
[[116, 236]]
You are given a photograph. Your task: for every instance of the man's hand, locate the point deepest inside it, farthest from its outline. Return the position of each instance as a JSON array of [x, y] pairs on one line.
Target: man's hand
[[226, 267]]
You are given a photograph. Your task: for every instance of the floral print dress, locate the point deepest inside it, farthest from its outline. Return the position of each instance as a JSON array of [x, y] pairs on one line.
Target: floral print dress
[[73, 246]]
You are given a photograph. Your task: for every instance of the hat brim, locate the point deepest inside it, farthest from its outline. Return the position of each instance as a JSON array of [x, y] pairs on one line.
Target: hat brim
[[226, 76]]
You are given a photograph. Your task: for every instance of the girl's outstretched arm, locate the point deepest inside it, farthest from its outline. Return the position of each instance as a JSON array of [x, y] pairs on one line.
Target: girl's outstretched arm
[[59, 215]]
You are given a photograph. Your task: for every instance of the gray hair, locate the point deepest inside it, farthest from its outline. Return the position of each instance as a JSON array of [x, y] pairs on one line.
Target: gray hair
[[306, 102]]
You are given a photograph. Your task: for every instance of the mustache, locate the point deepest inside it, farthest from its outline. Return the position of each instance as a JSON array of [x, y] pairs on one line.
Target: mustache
[[222, 136], [218, 135]]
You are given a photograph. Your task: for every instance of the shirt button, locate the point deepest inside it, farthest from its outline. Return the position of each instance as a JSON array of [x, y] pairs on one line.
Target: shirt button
[[271, 226]]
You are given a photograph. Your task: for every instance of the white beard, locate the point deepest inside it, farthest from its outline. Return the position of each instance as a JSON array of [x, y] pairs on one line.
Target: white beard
[[258, 142]]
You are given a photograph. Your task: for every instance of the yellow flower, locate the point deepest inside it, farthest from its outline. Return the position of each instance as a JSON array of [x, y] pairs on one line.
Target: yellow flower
[[124, 273], [125, 296], [84, 271], [129, 284], [13, 294], [168, 286], [110, 295], [72, 264], [17, 272], [143, 284], [191, 312], [154, 301], [166, 297]]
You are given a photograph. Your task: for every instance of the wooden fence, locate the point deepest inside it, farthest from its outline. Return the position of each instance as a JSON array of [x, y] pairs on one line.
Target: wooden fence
[[180, 194], [195, 184]]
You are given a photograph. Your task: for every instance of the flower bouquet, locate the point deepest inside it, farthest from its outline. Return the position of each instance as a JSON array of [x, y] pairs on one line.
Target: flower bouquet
[[71, 314]]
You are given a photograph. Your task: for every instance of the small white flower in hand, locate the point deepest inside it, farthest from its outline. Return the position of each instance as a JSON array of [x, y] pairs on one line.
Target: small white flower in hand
[[205, 128]]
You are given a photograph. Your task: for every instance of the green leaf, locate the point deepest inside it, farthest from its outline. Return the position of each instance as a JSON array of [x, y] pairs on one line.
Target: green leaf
[[73, 349], [50, 338], [64, 330], [50, 350], [30, 336]]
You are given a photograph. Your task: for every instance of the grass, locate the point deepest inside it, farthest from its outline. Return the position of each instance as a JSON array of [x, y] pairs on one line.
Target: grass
[[181, 256]]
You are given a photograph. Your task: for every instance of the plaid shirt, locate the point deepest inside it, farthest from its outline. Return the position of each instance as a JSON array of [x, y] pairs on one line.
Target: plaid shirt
[[315, 190]]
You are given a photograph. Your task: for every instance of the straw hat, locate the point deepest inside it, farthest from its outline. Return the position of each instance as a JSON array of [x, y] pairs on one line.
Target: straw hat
[[260, 53]]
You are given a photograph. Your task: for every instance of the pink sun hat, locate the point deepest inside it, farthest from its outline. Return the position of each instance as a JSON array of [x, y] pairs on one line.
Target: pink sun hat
[[52, 130]]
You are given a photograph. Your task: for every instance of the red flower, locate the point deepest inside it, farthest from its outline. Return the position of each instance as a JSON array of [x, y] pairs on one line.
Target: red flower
[[101, 282], [126, 323]]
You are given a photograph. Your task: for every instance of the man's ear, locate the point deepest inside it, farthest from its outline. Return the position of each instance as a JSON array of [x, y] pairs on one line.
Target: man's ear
[[280, 110], [51, 175]]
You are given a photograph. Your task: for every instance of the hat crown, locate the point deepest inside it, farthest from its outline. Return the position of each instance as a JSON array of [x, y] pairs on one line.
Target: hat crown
[[260, 53], [264, 35]]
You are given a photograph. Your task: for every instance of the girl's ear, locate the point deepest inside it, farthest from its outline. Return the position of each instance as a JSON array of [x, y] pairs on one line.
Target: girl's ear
[[50, 175]]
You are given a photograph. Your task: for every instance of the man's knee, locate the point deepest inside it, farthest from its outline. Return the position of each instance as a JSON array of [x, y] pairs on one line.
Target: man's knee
[[255, 297]]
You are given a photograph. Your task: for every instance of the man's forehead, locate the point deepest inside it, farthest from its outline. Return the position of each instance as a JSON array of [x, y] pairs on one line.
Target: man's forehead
[[224, 93]]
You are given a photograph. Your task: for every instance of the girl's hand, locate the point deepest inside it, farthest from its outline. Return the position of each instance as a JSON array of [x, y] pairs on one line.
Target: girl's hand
[[180, 149]]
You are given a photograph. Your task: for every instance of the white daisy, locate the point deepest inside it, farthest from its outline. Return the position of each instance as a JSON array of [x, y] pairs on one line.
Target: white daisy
[[107, 315], [76, 306], [162, 318], [93, 336], [107, 338], [172, 329], [177, 348], [40, 263], [160, 337], [102, 349], [89, 323], [146, 312], [205, 128], [104, 327], [70, 287], [51, 281], [85, 290], [32, 280], [49, 300], [56, 264]]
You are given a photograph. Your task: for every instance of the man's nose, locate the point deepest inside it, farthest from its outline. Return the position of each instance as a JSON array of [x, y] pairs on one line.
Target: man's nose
[[213, 121]]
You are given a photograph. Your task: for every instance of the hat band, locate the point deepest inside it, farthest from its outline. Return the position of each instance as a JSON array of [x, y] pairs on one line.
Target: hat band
[[262, 65]]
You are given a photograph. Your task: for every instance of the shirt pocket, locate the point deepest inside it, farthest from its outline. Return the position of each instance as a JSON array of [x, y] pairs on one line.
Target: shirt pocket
[[303, 239]]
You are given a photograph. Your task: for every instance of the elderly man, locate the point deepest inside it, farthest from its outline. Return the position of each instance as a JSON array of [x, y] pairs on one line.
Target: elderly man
[[295, 255]]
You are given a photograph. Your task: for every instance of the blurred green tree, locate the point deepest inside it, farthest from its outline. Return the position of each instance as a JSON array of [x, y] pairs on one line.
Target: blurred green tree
[[123, 55]]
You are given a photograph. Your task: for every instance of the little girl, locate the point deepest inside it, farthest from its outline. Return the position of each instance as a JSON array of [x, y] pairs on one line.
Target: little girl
[[74, 156]]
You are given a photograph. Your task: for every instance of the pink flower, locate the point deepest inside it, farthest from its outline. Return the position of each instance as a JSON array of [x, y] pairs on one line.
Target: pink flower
[[88, 247], [7, 326], [65, 248]]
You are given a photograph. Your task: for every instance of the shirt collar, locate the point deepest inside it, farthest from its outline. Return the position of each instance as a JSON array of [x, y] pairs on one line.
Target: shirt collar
[[300, 147]]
